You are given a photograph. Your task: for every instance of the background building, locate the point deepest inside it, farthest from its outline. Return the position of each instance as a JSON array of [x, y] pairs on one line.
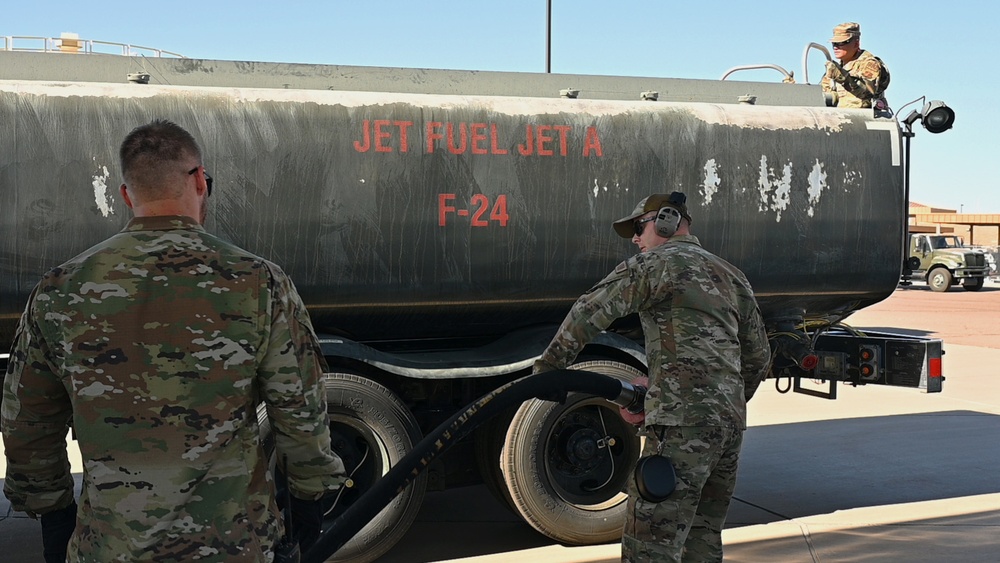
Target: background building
[[979, 229]]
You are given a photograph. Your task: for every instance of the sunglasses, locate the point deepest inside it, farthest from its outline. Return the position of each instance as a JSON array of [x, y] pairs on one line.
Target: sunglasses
[[640, 225], [843, 43], [208, 179]]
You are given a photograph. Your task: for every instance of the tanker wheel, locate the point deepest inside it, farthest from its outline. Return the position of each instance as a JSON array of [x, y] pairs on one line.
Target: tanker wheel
[[567, 464], [939, 279], [974, 285], [371, 430], [489, 439]]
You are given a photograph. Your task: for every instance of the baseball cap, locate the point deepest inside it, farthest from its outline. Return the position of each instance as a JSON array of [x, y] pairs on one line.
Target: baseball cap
[[846, 32], [655, 202]]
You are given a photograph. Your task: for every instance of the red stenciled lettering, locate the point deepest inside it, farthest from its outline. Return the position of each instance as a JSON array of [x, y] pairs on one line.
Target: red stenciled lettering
[[499, 212], [528, 146], [479, 206], [433, 134], [444, 209], [381, 136], [563, 132], [365, 136], [404, 144], [543, 140], [451, 138], [484, 203], [494, 145], [478, 133], [592, 142]]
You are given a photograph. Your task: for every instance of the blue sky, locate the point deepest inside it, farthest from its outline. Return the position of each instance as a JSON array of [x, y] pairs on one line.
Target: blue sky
[[941, 50]]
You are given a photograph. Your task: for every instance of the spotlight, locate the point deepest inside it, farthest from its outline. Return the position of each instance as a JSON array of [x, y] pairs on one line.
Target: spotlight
[[936, 117]]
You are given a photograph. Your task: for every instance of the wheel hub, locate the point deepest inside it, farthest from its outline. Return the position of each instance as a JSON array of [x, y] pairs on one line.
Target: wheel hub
[[583, 447]]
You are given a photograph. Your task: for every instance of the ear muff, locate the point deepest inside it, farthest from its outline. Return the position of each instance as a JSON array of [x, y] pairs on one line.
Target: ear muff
[[667, 221], [655, 477]]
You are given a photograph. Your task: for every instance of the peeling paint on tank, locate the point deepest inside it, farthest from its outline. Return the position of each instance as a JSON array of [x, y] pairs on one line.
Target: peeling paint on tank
[[712, 181], [817, 183], [101, 196], [598, 188], [775, 192]]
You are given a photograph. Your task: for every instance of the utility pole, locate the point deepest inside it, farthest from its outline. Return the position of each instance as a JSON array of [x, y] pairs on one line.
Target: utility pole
[[548, 37]]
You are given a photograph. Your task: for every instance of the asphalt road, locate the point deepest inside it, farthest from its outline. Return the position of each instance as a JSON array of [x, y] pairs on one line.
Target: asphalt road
[[880, 474]]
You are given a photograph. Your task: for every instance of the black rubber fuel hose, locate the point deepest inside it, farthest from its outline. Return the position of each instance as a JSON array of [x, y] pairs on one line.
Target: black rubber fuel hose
[[549, 386]]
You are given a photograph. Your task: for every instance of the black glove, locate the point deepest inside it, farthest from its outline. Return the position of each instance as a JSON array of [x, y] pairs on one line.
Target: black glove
[[57, 527], [307, 521]]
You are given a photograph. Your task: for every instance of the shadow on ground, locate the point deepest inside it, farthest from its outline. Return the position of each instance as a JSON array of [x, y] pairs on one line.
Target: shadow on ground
[[810, 468]]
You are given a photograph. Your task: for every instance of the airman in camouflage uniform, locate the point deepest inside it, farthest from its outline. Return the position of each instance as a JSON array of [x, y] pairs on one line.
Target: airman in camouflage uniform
[[707, 352], [861, 78], [157, 345]]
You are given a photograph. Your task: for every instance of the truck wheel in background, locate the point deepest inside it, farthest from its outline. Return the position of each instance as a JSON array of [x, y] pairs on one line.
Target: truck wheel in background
[[489, 439], [371, 429], [939, 279], [974, 284], [567, 464]]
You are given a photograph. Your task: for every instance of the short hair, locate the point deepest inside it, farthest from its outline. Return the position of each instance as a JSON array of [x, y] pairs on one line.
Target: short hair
[[153, 155]]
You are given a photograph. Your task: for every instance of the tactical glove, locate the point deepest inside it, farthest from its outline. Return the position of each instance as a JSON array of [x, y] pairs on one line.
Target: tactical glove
[[541, 366], [57, 527], [835, 72]]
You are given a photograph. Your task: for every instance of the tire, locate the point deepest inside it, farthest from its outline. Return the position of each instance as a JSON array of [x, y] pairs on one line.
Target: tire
[[489, 441], [939, 279], [562, 480], [974, 284], [371, 429]]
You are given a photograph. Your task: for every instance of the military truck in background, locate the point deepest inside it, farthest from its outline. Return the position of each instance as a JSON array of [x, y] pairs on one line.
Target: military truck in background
[[440, 224], [945, 260]]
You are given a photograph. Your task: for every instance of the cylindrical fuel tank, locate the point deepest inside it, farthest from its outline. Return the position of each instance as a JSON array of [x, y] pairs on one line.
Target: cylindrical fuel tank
[[405, 216]]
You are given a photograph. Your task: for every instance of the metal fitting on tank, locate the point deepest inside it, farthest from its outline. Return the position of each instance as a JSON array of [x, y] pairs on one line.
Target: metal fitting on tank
[[138, 77]]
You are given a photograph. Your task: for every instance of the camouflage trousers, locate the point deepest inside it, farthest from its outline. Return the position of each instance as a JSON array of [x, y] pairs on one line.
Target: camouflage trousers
[[688, 525]]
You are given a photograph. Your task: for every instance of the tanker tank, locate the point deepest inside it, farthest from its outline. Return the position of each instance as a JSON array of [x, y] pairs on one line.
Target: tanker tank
[[405, 215]]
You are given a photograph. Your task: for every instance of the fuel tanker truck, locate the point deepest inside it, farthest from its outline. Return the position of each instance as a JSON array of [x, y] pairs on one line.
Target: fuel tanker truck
[[440, 224]]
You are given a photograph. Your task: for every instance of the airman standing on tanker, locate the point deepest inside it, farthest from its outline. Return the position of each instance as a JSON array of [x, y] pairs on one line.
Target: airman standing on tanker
[[707, 352], [860, 80], [156, 346]]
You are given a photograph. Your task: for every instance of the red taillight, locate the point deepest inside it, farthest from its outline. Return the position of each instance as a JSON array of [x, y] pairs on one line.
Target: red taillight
[[934, 367], [809, 362]]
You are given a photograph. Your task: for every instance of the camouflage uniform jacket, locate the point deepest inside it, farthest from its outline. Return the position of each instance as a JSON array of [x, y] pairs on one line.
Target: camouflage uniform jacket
[[866, 71], [705, 340], [157, 345]]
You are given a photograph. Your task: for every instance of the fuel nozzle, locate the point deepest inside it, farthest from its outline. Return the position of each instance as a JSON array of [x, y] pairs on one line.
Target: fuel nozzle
[[632, 398]]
